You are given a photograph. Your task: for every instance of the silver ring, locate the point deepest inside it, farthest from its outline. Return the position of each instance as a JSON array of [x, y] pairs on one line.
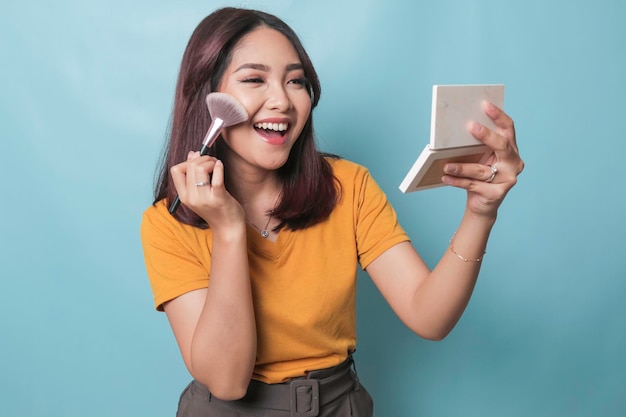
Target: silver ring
[[202, 184], [494, 171]]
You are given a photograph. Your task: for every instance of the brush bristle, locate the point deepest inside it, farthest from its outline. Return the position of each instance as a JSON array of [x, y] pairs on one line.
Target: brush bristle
[[227, 108]]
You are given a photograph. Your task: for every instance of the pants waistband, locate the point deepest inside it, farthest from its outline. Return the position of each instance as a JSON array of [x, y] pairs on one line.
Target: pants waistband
[[302, 396]]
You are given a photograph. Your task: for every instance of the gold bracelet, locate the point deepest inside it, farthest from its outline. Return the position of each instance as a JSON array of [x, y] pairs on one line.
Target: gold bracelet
[[461, 256]]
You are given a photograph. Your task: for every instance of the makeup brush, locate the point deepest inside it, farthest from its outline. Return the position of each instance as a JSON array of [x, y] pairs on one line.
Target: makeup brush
[[225, 111]]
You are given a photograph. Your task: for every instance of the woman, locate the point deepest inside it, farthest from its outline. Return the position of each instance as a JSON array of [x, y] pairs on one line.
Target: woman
[[256, 271]]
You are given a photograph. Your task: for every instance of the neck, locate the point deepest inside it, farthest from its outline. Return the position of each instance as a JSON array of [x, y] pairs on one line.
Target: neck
[[251, 185], [258, 194], [257, 190]]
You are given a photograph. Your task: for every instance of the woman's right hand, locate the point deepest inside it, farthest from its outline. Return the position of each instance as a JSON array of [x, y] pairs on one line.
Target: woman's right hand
[[199, 182]]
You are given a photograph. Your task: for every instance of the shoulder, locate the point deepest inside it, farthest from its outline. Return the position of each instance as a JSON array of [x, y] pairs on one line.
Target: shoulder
[[347, 171], [157, 214], [357, 187], [162, 235], [344, 165], [158, 224]]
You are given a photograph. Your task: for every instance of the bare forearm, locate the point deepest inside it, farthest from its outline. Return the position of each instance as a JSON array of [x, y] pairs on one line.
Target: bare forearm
[[223, 349], [442, 298]]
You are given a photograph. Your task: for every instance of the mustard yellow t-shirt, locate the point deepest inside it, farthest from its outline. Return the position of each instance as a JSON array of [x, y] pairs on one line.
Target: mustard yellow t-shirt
[[304, 283]]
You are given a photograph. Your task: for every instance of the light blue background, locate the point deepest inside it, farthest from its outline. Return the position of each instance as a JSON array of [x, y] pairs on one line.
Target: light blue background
[[85, 94]]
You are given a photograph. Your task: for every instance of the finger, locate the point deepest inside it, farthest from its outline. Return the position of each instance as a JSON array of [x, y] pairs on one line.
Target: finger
[[217, 179], [179, 178], [505, 150], [199, 170], [488, 137], [503, 122], [471, 171], [489, 191], [500, 118]]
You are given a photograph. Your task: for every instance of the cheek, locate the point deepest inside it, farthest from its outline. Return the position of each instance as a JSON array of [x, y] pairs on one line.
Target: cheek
[[302, 103], [231, 135], [249, 102], [304, 111], [307, 106]]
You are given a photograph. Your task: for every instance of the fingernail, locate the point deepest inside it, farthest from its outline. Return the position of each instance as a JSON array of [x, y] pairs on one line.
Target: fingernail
[[477, 127], [450, 168]]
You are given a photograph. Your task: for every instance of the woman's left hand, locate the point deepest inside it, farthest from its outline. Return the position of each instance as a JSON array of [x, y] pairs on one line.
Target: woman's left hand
[[488, 184]]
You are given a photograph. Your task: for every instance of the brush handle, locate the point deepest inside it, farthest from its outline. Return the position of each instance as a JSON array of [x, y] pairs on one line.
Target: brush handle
[[214, 131], [174, 205]]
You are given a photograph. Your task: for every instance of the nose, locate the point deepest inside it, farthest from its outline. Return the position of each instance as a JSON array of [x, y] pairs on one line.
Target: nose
[[278, 98]]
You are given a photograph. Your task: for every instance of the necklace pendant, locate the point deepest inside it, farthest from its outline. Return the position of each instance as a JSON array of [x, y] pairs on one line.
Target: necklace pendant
[[265, 234]]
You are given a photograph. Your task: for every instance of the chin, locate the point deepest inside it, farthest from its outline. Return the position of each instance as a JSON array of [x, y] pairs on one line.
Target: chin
[[275, 163]]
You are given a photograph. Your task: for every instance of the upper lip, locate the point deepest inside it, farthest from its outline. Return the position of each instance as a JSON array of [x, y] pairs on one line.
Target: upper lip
[[274, 120]]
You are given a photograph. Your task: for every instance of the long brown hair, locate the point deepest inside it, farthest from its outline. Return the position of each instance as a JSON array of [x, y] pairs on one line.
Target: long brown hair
[[309, 191]]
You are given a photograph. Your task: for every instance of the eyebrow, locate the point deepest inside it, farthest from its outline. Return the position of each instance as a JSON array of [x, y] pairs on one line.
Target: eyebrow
[[265, 68]]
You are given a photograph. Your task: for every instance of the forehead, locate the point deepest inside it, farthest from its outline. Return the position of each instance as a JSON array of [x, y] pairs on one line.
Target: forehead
[[264, 45]]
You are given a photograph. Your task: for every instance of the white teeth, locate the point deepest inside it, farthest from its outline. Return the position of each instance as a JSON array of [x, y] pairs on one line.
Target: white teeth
[[278, 127]]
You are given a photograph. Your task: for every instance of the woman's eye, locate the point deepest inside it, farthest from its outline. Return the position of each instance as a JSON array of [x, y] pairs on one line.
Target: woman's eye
[[298, 81], [252, 80]]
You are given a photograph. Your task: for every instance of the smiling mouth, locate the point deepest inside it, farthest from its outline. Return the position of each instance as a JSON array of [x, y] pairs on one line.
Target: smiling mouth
[[272, 129]]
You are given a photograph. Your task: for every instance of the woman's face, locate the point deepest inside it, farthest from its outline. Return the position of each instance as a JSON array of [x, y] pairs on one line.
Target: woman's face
[[265, 74]]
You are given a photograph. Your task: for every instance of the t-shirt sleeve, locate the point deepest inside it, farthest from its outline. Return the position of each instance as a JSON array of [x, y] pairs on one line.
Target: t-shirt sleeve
[[176, 255], [377, 227]]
